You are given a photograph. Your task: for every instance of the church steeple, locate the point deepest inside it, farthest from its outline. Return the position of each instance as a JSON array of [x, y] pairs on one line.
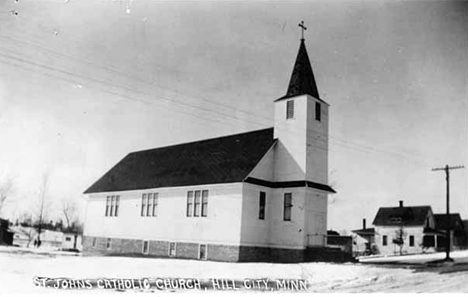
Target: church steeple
[[302, 79]]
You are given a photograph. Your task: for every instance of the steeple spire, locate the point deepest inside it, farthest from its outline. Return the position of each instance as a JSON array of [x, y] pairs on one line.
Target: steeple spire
[[302, 79]]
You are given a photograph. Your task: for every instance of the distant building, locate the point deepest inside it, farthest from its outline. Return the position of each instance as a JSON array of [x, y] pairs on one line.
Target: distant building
[[72, 241], [255, 196], [409, 230]]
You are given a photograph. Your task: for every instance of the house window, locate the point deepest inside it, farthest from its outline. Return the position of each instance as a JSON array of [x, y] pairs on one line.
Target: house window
[[108, 244], [172, 249], [145, 247], [290, 109], [411, 240], [287, 206], [94, 242], [318, 111], [204, 210], [197, 204], [189, 203], [261, 209], [202, 252], [107, 205], [384, 240]]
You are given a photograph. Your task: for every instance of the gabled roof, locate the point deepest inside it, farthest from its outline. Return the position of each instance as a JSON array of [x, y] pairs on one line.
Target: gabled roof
[[455, 221], [398, 216], [302, 79], [219, 160], [364, 232]]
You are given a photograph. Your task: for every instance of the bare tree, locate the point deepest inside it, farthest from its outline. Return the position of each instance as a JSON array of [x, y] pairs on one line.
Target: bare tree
[[43, 206], [69, 210], [400, 236], [6, 190]]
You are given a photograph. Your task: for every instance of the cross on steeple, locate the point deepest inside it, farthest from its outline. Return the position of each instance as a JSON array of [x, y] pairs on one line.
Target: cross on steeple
[[301, 24]]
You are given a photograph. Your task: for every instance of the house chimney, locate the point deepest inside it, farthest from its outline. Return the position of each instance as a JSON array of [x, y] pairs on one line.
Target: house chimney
[[363, 223], [401, 203]]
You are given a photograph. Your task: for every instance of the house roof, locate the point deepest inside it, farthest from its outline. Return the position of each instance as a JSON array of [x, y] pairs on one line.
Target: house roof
[[219, 160], [367, 231], [302, 78], [397, 216], [455, 221]]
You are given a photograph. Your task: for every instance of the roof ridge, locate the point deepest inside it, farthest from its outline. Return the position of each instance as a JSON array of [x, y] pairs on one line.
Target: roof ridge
[[199, 141]]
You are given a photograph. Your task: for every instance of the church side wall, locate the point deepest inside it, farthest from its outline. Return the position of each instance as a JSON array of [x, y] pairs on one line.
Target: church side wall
[[317, 143], [221, 228]]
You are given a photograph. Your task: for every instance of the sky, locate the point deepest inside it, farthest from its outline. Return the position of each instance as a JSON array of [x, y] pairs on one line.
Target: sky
[[83, 83]]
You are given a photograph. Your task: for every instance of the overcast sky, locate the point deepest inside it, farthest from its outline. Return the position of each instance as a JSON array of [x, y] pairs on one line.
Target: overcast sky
[[83, 83]]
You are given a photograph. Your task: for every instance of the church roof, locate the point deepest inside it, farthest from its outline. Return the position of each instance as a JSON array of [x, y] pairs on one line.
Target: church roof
[[219, 160], [302, 79], [406, 216]]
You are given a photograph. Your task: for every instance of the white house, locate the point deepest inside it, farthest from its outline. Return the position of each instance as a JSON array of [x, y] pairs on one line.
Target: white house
[[255, 196]]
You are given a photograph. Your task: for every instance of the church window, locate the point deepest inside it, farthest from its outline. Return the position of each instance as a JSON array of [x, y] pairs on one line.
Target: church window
[[145, 247], [197, 204], [112, 206], [155, 205], [204, 210], [108, 244], [172, 249], [384, 240], [189, 203], [143, 205], [318, 111], [202, 252], [287, 206], [261, 210], [149, 205], [107, 205], [290, 109], [117, 202], [94, 242], [411, 240]]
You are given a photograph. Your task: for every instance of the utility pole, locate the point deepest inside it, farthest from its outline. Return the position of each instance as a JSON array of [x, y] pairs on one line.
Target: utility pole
[[447, 234]]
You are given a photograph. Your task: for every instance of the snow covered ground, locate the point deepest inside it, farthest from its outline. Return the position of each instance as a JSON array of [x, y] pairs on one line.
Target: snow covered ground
[[19, 266]]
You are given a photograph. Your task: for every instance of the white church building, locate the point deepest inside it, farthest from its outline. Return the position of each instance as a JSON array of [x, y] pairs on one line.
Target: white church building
[[255, 196]]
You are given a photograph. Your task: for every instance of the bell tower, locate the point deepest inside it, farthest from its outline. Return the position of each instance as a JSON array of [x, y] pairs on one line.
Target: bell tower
[[301, 126]]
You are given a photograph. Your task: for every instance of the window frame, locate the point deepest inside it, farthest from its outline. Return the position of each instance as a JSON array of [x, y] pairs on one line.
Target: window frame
[[94, 242], [107, 206], [411, 240], [190, 206], [155, 204], [261, 205], [111, 212], [318, 111], [169, 249], [384, 240], [205, 254], [149, 204], [143, 205], [108, 243], [289, 109], [143, 247], [197, 205], [287, 207], [117, 204], [204, 203]]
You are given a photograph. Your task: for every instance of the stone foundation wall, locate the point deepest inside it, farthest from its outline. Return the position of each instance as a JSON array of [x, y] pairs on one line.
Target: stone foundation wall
[[190, 250]]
